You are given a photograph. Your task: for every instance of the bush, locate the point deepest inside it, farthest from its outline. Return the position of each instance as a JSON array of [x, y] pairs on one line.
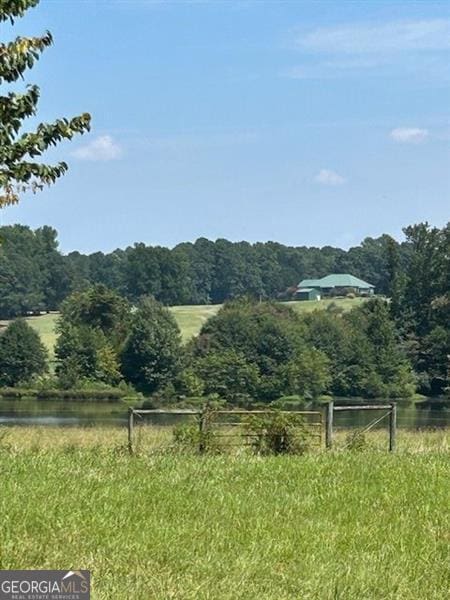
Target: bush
[[356, 441], [188, 435], [278, 433]]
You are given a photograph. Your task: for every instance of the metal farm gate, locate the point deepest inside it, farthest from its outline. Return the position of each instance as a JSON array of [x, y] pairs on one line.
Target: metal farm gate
[[229, 427], [380, 412]]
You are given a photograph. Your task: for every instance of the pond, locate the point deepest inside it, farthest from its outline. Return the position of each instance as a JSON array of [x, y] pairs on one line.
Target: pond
[[434, 413]]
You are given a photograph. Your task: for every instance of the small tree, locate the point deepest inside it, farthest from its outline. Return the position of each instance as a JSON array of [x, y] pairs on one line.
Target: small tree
[[98, 307], [22, 354], [92, 328], [17, 172], [85, 353], [151, 356]]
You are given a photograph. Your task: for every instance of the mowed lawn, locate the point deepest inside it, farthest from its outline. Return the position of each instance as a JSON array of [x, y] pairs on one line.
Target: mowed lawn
[[350, 525], [189, 318]]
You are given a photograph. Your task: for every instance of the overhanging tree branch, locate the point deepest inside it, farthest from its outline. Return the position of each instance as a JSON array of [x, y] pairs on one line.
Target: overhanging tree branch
[[17, 173]]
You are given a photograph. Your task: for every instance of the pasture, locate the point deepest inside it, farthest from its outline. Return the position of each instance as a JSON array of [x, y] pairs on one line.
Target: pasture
[[349, 525], [189, 318]]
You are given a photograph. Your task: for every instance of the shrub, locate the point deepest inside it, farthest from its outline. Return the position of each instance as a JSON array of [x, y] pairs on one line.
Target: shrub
[[356, 441], [278, 433], [188, 435]]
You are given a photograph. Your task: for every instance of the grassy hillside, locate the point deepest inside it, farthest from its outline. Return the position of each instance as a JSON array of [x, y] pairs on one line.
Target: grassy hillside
[[190, 318], [347, 525]]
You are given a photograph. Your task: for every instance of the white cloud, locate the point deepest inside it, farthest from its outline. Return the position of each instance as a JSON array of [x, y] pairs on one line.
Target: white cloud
[[391, 49], [103, 148], [394, 36], [327, 177], [409, 135]]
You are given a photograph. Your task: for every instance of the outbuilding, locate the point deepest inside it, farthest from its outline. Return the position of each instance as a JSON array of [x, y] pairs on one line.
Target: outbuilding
[[308, 294]]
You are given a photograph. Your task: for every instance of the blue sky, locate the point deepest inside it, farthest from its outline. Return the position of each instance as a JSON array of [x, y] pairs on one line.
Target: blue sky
[[308, 123]]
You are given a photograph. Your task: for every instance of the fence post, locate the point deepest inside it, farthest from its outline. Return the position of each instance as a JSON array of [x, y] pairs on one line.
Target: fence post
[[130, 429], [392, 426], [201, 430], [329, 425]]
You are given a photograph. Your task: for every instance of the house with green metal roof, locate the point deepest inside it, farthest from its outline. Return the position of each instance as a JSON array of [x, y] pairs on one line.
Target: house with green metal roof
[[336, 284]]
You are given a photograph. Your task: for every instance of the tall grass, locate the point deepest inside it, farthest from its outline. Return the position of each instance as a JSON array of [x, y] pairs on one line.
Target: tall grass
[[148, 438], [347, 525]]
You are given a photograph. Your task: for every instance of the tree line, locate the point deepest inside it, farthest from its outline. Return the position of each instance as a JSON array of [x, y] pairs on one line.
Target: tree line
[[252, 348], [35, 276]]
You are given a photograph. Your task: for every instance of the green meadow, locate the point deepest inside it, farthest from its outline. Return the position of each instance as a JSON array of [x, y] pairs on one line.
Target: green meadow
[[189, 318], [161, 525]]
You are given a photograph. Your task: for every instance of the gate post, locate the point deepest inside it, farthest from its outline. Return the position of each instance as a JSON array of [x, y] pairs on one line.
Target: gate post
[[130, 429], [329, 425], [392, 427], [201, 429]]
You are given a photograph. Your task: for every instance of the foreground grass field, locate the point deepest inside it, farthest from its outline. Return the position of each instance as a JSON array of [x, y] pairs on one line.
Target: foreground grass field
[[352, 526], [189, 318]]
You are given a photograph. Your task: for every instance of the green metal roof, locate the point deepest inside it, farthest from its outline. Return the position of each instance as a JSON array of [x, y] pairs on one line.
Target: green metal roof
[[309, 283], [336, 280]]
